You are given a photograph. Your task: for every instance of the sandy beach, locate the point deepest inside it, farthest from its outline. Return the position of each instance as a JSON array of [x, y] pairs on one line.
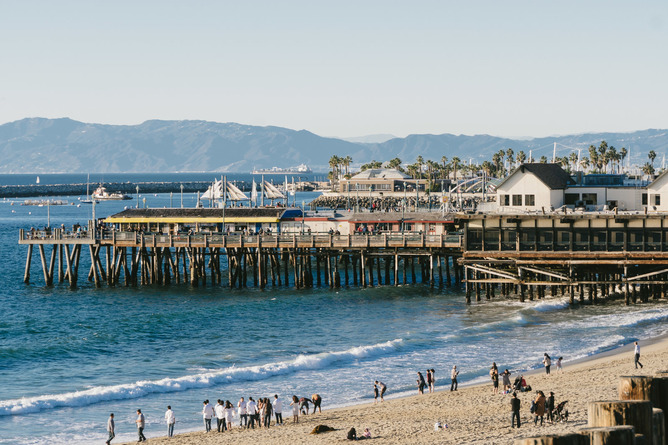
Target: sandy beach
[[473, 414]]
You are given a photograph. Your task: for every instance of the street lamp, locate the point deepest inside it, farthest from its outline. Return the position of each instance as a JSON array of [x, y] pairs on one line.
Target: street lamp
[[403, 213], [181, 195], [171, 200], [137, 196], [417, 194]]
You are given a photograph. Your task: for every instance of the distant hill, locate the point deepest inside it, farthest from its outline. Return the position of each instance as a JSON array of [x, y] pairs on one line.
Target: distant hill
[[370, 139], [38, 145]]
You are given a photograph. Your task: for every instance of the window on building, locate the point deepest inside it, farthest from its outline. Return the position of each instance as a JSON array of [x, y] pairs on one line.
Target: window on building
[[529, 200], [644, 199], [505, 200], [657, 200], [590, 199], [570, 199], [517, 200]]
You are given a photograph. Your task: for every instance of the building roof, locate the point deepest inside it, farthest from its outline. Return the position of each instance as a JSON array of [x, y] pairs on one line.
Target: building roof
[[658, 179], [381, 173], [211, 215], [552, 175], [375, 217]]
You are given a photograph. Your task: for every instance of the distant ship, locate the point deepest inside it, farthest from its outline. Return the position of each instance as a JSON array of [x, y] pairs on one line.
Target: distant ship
[[301, 168], [101, 194]]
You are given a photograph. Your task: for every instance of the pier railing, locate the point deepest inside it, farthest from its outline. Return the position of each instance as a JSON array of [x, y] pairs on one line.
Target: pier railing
[[282, 240]]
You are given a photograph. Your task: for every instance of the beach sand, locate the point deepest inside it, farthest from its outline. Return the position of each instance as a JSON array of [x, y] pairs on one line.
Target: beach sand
[[473, 414]]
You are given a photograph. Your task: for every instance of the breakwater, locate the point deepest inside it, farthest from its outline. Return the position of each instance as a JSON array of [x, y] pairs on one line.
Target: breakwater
[[21, 191]]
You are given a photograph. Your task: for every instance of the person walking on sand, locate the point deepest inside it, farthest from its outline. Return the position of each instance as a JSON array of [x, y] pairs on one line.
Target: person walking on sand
[[515, 410], [547, 361], [251, 410], [171, 420], [207, 415], [382, 387], [141, 423], [219, 411], [453, 376], [433, 381], [317, 402], [429, 380], [636, 355], [295, 409], [278, 410], [110, 428], [540, 408], [375, 393], [243, 414], [559, 365], [494, 374], [420, 383]]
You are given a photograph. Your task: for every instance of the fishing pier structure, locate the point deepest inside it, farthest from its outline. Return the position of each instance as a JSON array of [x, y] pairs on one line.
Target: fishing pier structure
[[589, 254], [197, 246]]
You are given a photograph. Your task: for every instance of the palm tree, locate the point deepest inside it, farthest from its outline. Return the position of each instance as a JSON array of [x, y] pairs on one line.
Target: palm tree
[[593, 156], [419, 161], [334, 162], [648, 168], [509, 154], [455, 165], [652, 156], [521, 157], [394, 163], [444, 170], [346, 162], [623, 152], [584, 162], [573, 159], [543, 159]]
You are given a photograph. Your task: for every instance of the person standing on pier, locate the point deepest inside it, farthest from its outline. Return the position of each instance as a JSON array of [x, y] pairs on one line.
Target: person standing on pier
[[636, 355], [453, 376], [110, 428]]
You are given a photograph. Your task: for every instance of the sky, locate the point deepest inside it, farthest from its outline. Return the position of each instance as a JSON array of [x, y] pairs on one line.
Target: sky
[[341, 68]]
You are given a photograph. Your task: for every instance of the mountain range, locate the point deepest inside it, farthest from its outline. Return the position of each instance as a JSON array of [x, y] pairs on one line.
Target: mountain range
[[39, 145]]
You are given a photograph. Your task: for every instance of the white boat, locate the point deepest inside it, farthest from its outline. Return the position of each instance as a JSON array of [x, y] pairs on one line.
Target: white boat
[[301, 168], [101, 194]]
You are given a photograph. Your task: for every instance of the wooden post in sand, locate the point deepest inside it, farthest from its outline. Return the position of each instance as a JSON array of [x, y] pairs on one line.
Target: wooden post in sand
[[555, 439], [610, 435], [622, 412], [653, 389], [658, 427]]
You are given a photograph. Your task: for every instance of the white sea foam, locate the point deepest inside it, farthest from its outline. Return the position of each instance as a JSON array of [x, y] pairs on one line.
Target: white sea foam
[[202, 380], [550, 305]]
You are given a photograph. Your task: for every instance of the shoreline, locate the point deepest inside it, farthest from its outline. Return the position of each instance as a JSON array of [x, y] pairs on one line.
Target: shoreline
[[473, 413]]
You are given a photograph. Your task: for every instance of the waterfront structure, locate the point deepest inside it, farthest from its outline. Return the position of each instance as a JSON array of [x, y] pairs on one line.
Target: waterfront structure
[[652, 198], [380, 180], [546, 187], [588, 253]]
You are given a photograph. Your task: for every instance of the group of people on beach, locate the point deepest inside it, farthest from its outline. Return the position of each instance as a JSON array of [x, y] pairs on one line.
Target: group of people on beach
[[249, 413]]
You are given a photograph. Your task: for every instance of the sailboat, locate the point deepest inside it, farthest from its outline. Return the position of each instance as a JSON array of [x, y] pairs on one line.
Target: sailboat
[[88, 199], [37, 181]]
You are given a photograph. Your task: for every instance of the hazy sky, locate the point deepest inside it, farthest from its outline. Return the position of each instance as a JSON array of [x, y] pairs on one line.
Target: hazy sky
[[341, 68]]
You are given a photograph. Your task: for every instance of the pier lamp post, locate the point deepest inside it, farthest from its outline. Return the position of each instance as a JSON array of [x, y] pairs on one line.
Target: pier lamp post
[[181, 195], [357, 198], [171, 200], [348, 200], [417, 194], [137, 196], [403, 213], [303, 215], [405, 201]]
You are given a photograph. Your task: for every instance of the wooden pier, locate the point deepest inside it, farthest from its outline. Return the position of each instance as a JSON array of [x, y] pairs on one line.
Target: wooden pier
[[134, 258], [591, 255]]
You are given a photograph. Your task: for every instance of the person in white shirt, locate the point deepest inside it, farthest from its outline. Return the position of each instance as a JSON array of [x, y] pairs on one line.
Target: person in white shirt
[[243, 414], [219, 409], [636, 355], [110, 428], [229, 414], [453, 376], [207, 414], [171, 420], [251, 410], [278, 410]]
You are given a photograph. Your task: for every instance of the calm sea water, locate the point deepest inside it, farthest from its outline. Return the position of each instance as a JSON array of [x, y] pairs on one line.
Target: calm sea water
[[70, 357]]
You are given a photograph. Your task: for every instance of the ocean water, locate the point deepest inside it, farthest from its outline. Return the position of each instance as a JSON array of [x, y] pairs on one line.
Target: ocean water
[[70, 357]]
